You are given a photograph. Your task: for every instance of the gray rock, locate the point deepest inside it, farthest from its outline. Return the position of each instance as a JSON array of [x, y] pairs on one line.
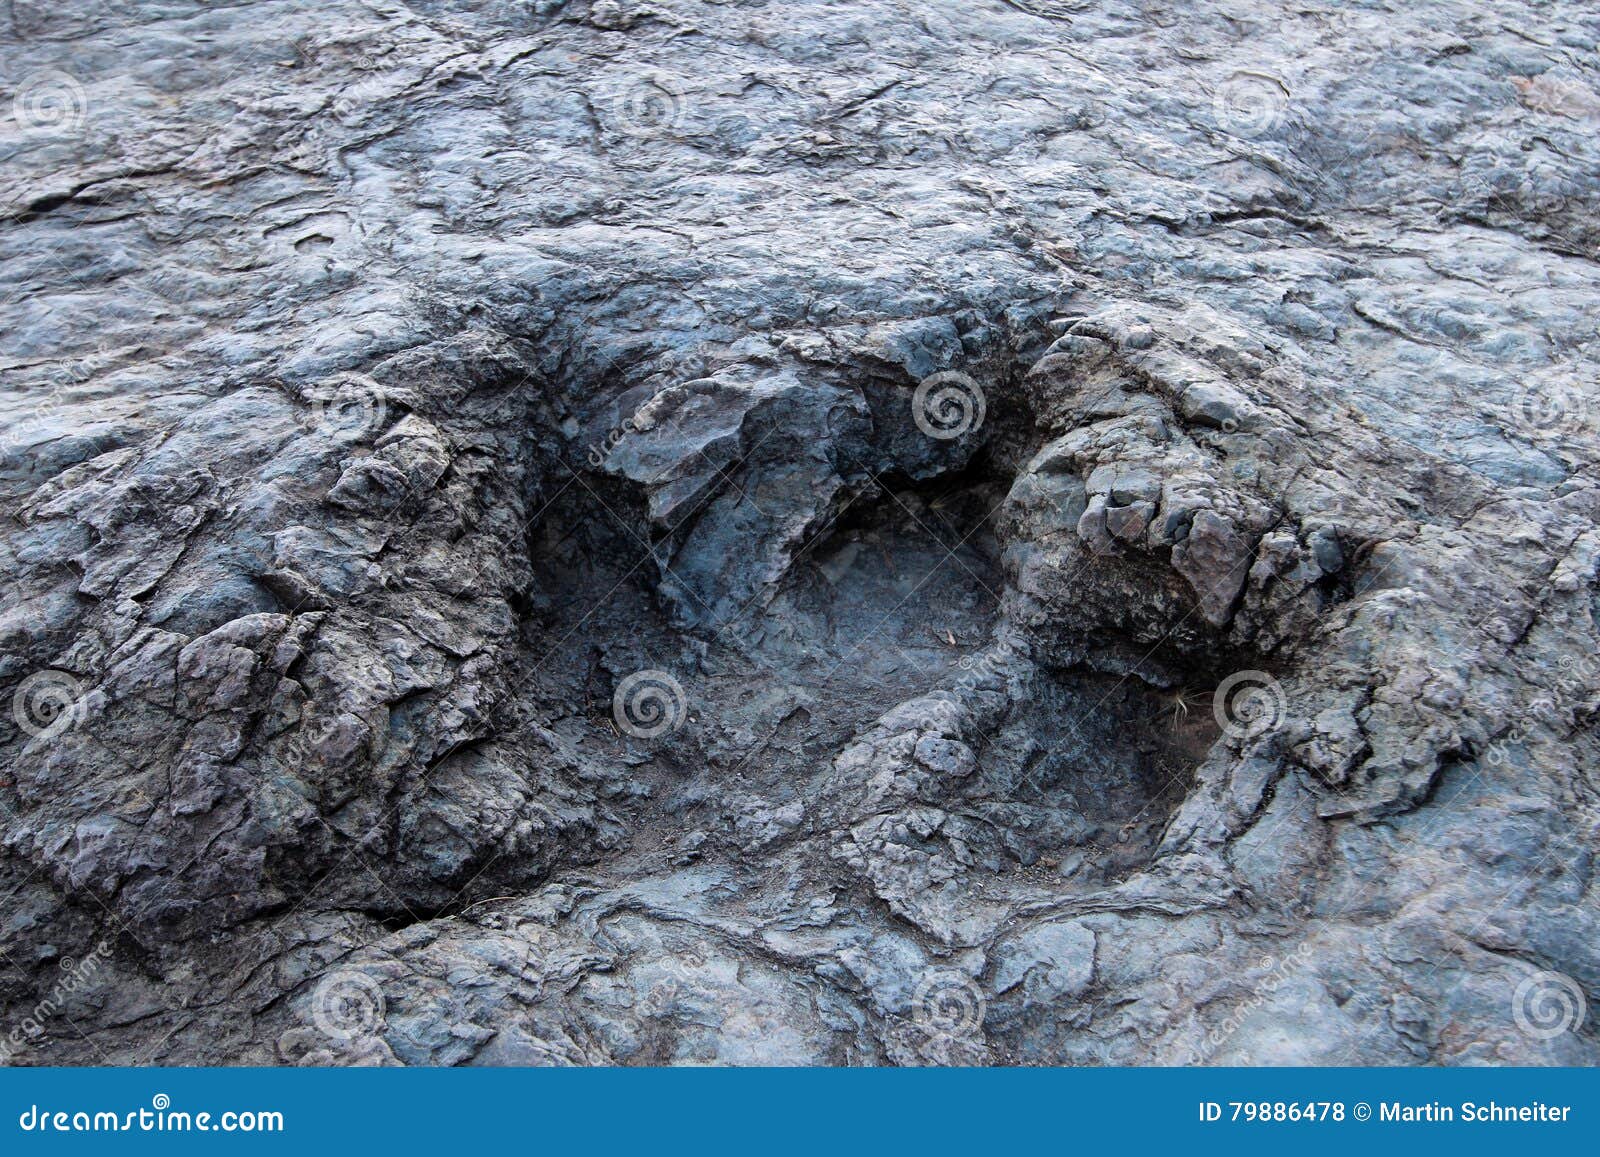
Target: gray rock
[[602, 533]]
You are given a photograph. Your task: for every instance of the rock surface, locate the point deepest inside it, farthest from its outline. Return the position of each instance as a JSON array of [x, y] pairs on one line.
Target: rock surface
[[629, 533]]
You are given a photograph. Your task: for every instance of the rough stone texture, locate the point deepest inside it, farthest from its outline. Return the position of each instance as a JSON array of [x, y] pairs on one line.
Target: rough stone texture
[[384, 385]]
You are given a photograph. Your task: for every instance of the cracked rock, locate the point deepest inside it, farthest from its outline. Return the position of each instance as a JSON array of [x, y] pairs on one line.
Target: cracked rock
[[598, 533]]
